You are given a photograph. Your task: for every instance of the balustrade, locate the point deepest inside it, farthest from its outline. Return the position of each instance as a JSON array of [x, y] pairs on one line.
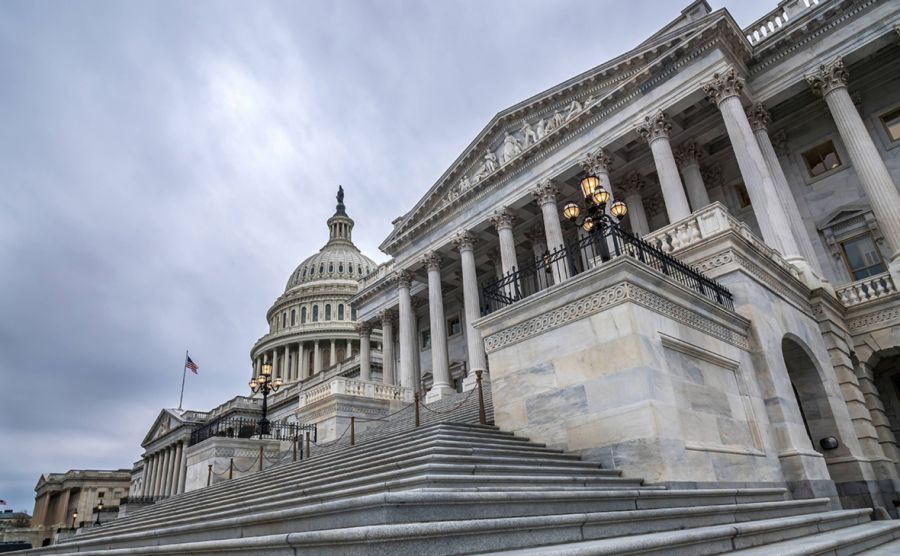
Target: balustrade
[[867, 289], [357, 388]]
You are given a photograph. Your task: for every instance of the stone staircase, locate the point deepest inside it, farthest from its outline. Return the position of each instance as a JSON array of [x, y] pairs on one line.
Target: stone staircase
[[452, 486]]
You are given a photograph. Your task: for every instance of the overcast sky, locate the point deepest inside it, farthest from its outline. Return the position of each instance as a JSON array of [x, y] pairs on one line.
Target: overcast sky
[[165, 166]]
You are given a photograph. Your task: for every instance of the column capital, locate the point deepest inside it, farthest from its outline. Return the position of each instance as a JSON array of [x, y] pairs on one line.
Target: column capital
[[688, 154], [404, 278], [828, 77], [364, 329], [545, 193], [712, 175], [598, 161], [779, 142], [723, 85], [633, 184], [387, 318], [432, 260], [465, 241], [654, 127], [758, 116], [502, 218]]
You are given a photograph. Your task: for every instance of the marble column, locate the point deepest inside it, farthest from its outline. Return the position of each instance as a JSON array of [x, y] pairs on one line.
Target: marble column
[[150, 476], [502, 219], [655, 131], [440, 360], [274, 362], [304, 361], [538, 238], [348, 352], [333, 355], [688, 158], [545, 194], [387, 348], [724, 90], [365, 370], [179, 467], [167, 474], [632, 189], [286, 364], [759, 119], [712, 178], [407, 332], [147, 486], [258, 364], [465, 242], [830, 81], [158, 473], [183, 478], [317, 358]]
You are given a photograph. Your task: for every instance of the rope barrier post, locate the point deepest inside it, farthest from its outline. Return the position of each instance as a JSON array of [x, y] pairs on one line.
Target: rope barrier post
[[416, 398], [231, 469], [208, 474], [295, 447], [482, 418], [352, 430], [308, 453], [260, 457]]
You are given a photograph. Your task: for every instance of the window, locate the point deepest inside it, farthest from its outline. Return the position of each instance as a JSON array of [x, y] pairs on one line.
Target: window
[[100, 494], [454, 326], [426, 339], [862, 257], [821, 158], [328, 312], [330, 267], [315, 313], [303, 315], [891, 123], [352, 313], [284, 319], [341, 267], [340, 312]]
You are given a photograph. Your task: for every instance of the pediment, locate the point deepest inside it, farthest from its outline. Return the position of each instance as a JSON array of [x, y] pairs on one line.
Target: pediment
[[523, 130], [166, 422], [843, 214]]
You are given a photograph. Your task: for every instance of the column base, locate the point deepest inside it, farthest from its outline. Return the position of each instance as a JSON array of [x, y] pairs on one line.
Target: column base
[[438, 392], [809, 276], [471, 382]]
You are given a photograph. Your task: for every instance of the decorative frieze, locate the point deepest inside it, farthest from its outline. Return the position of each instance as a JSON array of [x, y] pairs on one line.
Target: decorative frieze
[[654, 127], [723, 85], [828, 77]]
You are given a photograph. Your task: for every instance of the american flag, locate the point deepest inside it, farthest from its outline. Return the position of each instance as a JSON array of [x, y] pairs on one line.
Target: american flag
[[188, 364]]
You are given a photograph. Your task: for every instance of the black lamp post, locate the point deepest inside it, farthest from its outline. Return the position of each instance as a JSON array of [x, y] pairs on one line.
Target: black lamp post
[[592, 216], [99, 509], [74, 518], [265, 384]]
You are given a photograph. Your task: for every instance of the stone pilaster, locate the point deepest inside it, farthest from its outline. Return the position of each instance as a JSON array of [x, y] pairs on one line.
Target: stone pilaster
[[440, 361], [317, 358], [502, 220], [654, 130], [688, 158], [365, 370], [830, 81], [633, 188], [465, 243], [332, 356], [387, 348]]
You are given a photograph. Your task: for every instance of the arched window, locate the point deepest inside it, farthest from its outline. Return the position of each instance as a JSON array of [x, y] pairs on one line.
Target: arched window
[[328, 312], [321, 269], [284, 319], [359, 269], [341, 267], [341, 312], [331, 267], [315, 313], [303, 315], [293, 317], [304, 272]]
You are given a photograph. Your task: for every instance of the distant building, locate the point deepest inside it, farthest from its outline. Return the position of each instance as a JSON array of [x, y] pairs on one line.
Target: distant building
[[58, 496]]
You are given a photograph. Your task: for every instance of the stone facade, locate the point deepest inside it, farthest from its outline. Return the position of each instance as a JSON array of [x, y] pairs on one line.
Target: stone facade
[[764, 157]]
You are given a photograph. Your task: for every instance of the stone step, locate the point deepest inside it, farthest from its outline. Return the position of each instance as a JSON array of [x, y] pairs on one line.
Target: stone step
[[714, 539], [879, 536], [670, 531]]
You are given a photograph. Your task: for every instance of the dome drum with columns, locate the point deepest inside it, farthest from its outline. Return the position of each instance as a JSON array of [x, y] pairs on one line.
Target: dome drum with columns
[[312, 327]]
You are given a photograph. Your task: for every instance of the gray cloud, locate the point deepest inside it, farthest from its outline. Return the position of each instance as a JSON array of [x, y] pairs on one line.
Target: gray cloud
[[164, 166]]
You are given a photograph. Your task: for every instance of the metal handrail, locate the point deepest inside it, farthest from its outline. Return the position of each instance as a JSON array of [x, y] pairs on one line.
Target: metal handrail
[[606, 242], [248, 427]]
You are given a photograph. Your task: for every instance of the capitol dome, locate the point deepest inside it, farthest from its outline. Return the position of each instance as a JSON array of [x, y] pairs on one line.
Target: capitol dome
[[312, 327]]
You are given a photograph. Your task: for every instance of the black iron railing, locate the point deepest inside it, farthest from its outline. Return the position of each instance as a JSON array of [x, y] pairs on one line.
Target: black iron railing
[[140, 499], [248, 427], [606, 242]]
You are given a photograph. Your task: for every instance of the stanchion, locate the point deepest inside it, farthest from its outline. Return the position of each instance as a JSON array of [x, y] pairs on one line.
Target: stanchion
[[231, 469], [352, 430], [295, 447], [482, 418], [260, 458], [416, 398], [308, 453], [208, 474]]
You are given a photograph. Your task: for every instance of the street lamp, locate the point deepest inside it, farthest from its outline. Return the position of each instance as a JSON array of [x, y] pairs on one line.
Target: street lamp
[[592, 217], [74, 518], [265, 384], [99, 509]]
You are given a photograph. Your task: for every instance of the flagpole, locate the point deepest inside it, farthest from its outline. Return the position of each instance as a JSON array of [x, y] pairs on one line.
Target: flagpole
[[183, 375]]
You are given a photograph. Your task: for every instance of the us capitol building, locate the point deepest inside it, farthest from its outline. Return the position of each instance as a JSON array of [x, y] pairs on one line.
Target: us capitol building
[[653, 307]]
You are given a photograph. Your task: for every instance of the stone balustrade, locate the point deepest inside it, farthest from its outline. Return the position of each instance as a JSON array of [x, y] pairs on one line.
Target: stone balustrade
[[705, 223], [867, 289], [774, 21], [357, 388]]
